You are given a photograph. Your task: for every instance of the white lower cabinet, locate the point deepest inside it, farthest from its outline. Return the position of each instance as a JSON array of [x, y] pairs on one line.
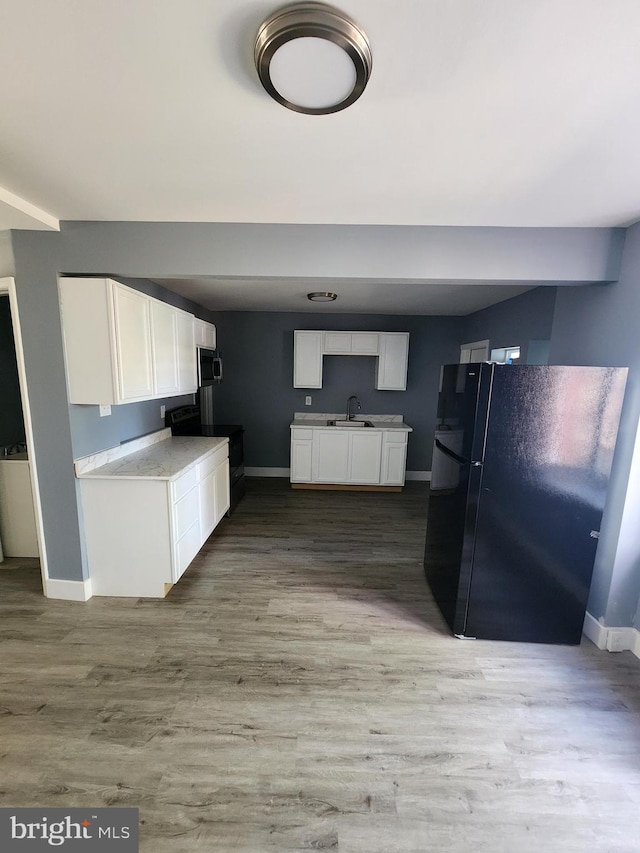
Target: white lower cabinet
[[343, 456], [17, 517], [330, 456], [213, 477], [142, 534], [394, 459]]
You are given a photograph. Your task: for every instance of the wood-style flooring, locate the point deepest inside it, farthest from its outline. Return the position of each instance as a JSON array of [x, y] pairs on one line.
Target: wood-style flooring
[[298, 690]]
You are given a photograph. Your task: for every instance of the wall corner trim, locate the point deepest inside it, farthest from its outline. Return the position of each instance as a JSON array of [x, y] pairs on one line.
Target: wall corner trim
[[68, 590], [612, 639]]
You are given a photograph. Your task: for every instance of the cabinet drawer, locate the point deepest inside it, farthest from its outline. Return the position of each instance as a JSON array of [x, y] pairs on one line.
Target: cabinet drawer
[[212, 461], [183, 484], [302, 434], [185, 512], [187, 548], [395, 437]]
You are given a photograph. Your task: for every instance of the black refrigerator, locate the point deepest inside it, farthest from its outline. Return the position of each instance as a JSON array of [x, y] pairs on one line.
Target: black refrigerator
[[524, 454]]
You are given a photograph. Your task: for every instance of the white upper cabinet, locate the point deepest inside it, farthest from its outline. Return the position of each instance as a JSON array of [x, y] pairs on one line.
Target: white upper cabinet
[[392, 349], [351, 343], [122, 346], [133, 345], [186, 353], [164, 338], [392, 363], [205, 334], [307, 359]]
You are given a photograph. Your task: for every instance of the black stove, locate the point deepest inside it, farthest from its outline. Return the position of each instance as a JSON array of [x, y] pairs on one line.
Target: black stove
[[185, 420]]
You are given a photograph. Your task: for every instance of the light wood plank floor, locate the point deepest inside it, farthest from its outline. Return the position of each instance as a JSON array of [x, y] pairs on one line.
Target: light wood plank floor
[[298, 690]]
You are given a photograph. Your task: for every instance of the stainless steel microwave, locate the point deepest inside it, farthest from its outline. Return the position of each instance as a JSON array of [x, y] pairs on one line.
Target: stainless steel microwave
[[209, 367]]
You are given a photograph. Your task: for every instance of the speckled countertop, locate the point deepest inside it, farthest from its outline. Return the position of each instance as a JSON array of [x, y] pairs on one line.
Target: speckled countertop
[[319, 419], [163, 460]]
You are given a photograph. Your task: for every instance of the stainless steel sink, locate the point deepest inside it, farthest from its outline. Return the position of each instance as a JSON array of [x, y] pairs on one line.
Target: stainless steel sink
[[352, 423]]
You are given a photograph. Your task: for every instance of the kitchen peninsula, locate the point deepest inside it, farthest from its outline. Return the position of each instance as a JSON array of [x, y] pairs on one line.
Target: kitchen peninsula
[[329, 451], [149, 505]]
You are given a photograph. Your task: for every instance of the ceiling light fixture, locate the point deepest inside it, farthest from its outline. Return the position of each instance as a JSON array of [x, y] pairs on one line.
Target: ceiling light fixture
[[312, 58], [322, 296]]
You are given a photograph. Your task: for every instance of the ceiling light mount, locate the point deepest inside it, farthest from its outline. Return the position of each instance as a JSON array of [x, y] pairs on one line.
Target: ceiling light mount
[[322, 296], [312, 58]]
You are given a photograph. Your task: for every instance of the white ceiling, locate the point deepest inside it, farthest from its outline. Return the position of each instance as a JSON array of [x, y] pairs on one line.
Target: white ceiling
[[382, 296], [500, 112]]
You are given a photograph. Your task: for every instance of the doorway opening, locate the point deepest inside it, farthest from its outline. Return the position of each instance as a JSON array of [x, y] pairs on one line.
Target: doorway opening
[[21, 534]]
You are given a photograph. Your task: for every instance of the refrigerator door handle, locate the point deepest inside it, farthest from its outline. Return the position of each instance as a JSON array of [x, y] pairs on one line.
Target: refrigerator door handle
[[456, 458]]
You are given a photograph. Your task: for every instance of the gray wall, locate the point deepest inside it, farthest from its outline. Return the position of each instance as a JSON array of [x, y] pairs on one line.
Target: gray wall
[[6, 254], [368, 252], [36, 264], [599, 326], [257, 390], [11, 420], [514, 322]]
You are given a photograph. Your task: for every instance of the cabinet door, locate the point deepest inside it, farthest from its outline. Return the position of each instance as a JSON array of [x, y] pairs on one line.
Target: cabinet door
[[222, 489], [204, 334], [133, 343], [394, 460], [331, 456], [392, 363], [365, 452], [337, 343], [187, 367], [164, 338], [364, 343], [17, 518], [307, 359], [207, 504], [301, 465], [210, 336]]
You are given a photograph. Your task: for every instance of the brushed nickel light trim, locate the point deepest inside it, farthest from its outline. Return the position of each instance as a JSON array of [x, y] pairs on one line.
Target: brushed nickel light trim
[[322, 296], [313, 20]]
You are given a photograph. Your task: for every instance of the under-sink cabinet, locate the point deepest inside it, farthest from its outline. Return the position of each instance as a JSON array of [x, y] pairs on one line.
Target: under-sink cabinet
[[122, 346], [348, 456]]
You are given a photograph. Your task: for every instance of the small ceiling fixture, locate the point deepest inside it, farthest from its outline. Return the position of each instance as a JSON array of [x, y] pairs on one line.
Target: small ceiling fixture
[[322, 296], [312, 58]]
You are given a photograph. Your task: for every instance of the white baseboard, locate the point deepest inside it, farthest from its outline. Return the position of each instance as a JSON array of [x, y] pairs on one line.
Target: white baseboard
[[610, 638], [285, 472], [68, 590]]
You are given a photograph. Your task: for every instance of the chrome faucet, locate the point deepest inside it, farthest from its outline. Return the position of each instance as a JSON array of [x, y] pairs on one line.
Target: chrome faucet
[[358, 404]]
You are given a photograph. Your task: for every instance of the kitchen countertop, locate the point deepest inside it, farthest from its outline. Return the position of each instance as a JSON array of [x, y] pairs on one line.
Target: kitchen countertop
[[319, 419], [163, 460], [15, 457]]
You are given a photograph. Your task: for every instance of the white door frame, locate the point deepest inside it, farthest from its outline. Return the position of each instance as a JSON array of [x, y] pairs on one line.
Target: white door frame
[[465, 351], [8, 286]]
